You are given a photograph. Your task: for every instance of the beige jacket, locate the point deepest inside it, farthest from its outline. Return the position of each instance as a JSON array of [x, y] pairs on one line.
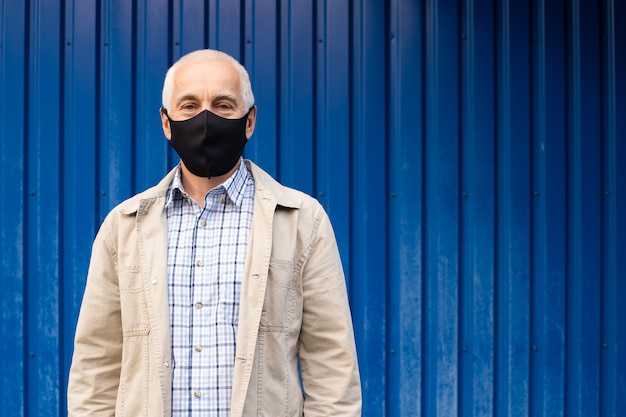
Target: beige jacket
[[293, 305]]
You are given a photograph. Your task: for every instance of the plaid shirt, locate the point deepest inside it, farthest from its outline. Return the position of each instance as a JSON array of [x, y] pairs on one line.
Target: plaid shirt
[[205, 258]]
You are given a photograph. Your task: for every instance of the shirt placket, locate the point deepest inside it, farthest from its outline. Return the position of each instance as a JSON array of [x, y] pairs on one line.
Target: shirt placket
[[206, 297]]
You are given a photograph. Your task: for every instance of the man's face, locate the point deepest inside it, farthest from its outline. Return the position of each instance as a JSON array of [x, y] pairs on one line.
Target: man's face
[[213, 86]]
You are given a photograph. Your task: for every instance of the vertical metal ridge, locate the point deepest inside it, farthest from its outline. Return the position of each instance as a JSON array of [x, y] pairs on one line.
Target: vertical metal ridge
[[405, 198], [476, 210], [368, 190], [14, 44], [77, 215], [297, 72], [613, 327], [584, 207], [98, 119], [316, 32], [513, 210], [549, 211], [43, 251], [133, 111], [152, 150], [62, 236], [442, 208], [103, 136]]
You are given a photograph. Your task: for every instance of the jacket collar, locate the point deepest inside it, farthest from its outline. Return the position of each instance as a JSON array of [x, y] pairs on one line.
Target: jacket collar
[[266, 186]]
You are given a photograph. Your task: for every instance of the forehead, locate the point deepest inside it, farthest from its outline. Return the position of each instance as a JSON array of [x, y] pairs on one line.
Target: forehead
[[216, 77]]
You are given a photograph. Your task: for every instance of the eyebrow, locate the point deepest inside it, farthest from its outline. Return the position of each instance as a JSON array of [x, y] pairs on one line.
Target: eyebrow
[[228, 97], [186, 97]]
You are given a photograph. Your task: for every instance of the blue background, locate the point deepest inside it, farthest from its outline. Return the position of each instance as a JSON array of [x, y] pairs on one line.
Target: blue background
[[471, 155]]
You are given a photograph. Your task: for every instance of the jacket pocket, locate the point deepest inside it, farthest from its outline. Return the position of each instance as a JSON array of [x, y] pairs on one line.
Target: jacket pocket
[[134, 310], [132, 399], [280, 297]]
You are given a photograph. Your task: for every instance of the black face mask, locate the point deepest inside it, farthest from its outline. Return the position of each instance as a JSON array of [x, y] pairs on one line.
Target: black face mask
[[208, 145]]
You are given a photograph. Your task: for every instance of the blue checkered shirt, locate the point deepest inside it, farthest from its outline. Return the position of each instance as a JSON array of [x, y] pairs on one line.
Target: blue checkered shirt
[[206, 250]]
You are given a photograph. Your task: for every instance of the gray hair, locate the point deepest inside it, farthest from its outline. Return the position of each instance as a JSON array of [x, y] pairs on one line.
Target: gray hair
[[206, 55]]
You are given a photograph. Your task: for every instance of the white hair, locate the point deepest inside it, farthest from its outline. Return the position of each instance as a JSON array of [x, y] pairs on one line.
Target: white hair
[[206, 55]]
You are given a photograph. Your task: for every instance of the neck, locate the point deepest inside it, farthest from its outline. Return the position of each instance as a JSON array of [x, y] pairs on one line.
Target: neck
[[198, 187]]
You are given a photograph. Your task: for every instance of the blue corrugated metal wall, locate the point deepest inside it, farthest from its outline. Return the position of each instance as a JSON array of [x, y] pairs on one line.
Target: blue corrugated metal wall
[[471, 154]]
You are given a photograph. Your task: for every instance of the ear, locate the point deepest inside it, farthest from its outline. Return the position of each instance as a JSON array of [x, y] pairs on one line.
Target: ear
[[251, 122], [165, 124]]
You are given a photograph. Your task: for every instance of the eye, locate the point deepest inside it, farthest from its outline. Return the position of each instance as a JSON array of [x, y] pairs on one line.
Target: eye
[[188, 106], [224, 106]]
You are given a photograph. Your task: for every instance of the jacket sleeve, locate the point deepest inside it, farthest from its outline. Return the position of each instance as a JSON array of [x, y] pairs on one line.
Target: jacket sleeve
[[328, 359], [95, 370]]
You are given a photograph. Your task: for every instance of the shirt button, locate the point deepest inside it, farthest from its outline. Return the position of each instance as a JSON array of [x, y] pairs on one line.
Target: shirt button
[[197, 394], [203, 223], [200, 263], [198, 348], [198, 304]]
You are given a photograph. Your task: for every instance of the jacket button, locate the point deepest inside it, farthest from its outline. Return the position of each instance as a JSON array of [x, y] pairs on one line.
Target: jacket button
[[166, 364]]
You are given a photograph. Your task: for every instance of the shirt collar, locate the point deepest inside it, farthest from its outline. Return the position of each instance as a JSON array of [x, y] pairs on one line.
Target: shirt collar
[[236, 185], [233, 187]]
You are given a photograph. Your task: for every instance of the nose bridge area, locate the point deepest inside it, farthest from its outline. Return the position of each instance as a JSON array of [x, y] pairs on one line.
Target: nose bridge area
[[208, 97]]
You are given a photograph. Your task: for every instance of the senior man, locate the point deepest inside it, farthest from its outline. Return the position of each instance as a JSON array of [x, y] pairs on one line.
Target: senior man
[[206, 291]]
